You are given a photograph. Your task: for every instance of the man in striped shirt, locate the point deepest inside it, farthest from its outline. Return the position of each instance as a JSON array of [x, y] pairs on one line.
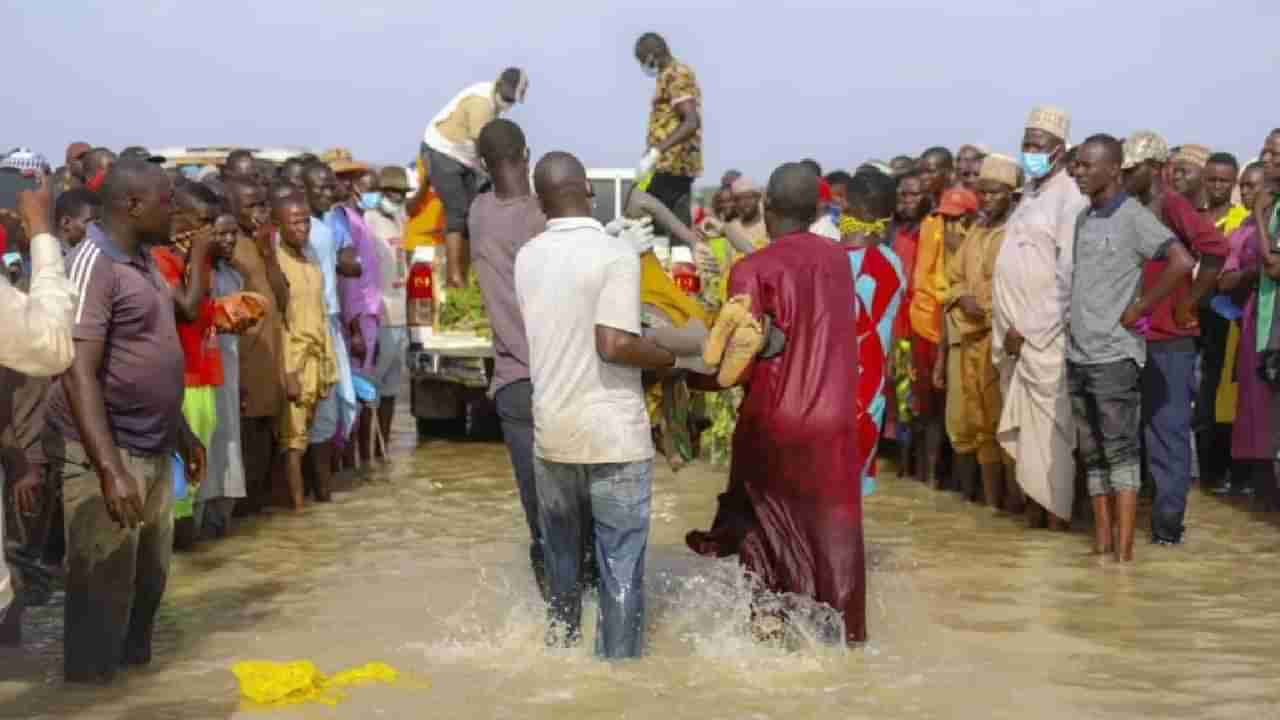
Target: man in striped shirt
[[119, 410]]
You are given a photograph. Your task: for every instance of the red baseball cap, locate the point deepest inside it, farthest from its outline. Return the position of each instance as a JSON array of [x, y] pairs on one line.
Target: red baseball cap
[[957, 202], [824, 190]]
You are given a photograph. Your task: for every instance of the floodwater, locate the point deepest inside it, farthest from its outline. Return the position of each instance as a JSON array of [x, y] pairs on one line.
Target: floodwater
[[425, 568]]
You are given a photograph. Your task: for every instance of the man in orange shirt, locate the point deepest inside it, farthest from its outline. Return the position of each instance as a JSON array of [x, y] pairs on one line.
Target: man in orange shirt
[[425, 226], [937, 167]]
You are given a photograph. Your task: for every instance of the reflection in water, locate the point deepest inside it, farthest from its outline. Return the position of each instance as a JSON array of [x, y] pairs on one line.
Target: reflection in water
[[426, 569]]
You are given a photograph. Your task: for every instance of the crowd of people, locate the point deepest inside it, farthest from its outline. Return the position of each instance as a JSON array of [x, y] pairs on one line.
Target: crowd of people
[[1029, 331], [1088, 321], [238, 338]]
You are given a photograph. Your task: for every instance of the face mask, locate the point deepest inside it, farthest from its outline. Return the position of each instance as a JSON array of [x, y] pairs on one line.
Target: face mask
[[502, 103], [95, 183], [650, 69], [370, 200], [1037, 164], [389, 207], [12, 258]]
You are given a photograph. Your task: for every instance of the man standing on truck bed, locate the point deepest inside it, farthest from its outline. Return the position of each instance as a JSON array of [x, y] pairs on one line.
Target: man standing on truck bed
[[674, 138], [449, 152]]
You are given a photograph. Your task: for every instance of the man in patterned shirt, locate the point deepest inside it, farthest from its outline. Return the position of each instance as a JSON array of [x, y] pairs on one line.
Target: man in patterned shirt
[[674, 140]]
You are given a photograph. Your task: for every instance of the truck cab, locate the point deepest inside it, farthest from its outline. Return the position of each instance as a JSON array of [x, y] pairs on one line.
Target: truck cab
[[450, 371]]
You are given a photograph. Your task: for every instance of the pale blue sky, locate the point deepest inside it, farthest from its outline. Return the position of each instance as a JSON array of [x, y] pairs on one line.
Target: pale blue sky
[[840, 82]]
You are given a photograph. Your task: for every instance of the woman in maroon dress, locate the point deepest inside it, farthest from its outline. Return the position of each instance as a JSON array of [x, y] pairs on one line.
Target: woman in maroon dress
[[1253, 438], [793, 509]]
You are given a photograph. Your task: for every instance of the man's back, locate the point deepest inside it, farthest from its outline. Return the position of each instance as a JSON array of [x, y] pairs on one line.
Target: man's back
[[499, 229], [568, 280], [805, 284]]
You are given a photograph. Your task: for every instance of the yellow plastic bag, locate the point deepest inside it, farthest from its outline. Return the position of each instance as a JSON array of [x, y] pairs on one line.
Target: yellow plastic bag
[[294, 683]]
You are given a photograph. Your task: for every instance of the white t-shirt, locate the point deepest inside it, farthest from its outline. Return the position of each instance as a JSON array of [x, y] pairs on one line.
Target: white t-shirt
[[569, 279], [826, 227], [388, 234], [463, 151]]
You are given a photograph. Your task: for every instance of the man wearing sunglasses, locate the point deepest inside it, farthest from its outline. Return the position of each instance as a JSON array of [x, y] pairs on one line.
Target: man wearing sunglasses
[[453, 166]]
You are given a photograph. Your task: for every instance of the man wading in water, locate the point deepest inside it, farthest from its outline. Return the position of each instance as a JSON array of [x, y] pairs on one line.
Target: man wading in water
[[579, 295], [793, 509], [120, 429], [500, 223]]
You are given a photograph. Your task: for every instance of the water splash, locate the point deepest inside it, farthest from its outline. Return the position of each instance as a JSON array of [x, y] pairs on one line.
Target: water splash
[[701, 617]]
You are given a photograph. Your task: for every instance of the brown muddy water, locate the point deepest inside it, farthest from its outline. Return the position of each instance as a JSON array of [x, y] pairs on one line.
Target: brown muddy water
[[425, 568]]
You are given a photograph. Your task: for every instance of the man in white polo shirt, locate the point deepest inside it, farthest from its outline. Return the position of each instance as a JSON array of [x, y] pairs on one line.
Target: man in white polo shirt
[[453, 167], [579, 294]]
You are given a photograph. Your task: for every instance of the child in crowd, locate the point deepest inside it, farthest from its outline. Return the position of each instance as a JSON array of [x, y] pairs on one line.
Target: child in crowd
[[310, 363]]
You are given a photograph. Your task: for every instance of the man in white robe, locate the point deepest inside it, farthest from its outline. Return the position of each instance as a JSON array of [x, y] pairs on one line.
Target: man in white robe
[[1031, 299]]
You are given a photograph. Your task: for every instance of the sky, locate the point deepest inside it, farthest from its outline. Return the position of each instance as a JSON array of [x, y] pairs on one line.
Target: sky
[[841, 82]]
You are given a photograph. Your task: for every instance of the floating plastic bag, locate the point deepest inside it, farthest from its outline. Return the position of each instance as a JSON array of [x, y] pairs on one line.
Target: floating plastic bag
[[293, 683]]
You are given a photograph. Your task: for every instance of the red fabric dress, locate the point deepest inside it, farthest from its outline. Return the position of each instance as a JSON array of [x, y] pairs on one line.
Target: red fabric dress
[[878, 281], [793, 509]]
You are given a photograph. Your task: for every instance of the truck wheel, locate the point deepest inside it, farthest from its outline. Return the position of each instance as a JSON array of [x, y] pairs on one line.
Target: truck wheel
[[482, 423]]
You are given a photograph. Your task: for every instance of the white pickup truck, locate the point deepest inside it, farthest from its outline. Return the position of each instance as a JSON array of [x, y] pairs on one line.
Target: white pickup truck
[[450, 371]]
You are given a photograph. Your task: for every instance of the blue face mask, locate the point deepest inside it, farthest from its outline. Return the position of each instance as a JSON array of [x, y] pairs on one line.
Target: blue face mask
[[1037, 165], [649, 69], [12, 258], [370, 200]]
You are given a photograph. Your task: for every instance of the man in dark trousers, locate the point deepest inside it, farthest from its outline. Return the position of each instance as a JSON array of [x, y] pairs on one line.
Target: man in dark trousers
[[119, 409], [499, 224], [1171, 339]]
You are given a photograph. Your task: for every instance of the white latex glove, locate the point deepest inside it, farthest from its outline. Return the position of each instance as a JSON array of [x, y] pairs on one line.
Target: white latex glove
[[648, 163], [638, 233]]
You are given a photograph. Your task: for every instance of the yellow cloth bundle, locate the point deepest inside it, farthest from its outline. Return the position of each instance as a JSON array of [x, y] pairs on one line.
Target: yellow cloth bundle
[[735, 339], [294, 683]]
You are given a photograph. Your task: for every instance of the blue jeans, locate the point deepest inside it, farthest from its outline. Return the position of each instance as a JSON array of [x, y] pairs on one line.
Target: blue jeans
[[514, 403], [613, 500], [1166, 419]]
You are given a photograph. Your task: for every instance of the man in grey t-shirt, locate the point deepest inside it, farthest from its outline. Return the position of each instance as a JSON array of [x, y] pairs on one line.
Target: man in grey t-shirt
[[1115, 238], [499, 224]]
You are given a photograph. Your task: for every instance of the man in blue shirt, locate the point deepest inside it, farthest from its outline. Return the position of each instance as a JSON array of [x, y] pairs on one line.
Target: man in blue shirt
[[330, 246]]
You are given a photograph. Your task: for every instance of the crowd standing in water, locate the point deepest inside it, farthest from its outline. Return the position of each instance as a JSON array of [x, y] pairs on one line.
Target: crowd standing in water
[[218, 329], [178, 352]]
